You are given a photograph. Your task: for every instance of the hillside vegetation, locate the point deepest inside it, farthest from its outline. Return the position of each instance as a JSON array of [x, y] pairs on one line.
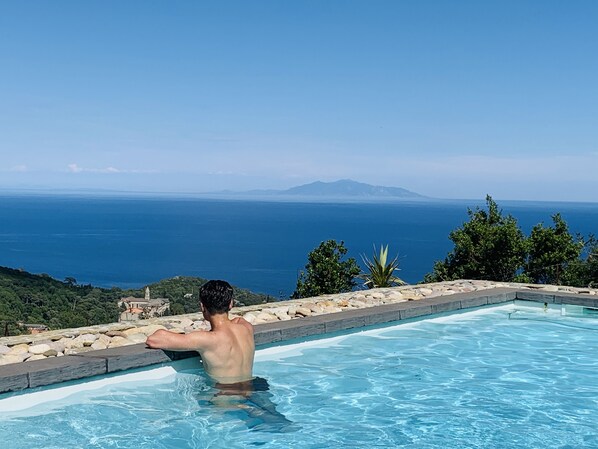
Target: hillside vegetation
[[27, 298]]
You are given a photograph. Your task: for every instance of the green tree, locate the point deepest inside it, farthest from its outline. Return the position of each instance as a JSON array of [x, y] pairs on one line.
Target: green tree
[[583, 271], [488, 246], [326, 272], [551, 250], [70, 281], [380, 270], [590, 263]]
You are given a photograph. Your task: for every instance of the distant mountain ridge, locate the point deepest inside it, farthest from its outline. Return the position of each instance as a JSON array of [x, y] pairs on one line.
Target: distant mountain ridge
[[347, 187], [344, 188]]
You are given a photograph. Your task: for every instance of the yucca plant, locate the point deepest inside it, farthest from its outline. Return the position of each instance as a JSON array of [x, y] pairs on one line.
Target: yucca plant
[[381, 272]]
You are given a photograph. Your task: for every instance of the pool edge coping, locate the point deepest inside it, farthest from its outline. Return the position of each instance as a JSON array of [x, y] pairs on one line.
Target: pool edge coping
[[21, 376]]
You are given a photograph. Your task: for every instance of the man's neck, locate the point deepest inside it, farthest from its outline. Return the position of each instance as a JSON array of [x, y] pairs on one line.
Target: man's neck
[[218, 320]]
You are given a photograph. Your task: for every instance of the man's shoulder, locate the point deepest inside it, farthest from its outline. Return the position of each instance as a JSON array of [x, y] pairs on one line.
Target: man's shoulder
[[243, 322]]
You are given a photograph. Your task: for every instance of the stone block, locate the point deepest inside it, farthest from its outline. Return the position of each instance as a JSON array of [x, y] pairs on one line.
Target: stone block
[[499, 296], [307, 328], [528, 295], [343, 321], [13, 377], [446, 306], [380, 317], [468, 303], [263, 337], [417, 310], [60, 369], [127, 357], [586, 301]]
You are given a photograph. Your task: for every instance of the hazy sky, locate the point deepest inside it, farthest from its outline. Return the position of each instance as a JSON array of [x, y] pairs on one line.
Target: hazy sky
[[451, 99]]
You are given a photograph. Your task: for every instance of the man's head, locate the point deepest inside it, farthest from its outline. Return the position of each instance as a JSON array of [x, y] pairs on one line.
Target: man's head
[[216, 296]]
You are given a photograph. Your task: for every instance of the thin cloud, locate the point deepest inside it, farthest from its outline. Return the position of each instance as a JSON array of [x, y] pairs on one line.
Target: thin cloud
[[225, 173], [74, 168], [19, 168]]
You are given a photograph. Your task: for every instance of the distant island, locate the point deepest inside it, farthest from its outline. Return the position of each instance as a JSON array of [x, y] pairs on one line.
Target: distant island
[[342, 189]]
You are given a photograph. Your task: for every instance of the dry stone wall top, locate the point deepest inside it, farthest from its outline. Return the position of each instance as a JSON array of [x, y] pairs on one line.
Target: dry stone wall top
[[58, 343]]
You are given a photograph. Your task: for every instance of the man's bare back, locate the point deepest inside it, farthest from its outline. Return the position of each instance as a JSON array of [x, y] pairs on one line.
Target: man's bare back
[[227, 350], [229, 358]]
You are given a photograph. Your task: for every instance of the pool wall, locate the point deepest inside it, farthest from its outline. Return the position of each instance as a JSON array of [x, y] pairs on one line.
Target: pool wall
[[49, 371]]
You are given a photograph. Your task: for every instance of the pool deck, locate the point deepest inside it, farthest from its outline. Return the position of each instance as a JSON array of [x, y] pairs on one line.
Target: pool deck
[[19, 376]]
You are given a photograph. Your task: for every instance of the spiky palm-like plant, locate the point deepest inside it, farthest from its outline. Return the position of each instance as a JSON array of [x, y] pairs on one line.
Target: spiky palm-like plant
[[381, 272]]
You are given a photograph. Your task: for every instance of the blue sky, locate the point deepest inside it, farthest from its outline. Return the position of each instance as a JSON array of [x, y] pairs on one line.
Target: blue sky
[[451, 99]]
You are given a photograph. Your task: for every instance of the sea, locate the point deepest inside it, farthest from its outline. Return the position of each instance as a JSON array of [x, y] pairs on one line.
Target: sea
[[262, 246]]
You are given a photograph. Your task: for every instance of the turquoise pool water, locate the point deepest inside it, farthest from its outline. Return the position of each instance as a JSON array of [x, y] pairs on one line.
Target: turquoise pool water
[[503, 377]]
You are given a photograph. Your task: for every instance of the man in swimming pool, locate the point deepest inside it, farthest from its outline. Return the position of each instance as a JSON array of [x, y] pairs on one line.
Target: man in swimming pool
[[227, 350]]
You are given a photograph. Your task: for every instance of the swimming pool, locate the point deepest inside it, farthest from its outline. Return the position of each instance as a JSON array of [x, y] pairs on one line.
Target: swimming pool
[[501, 377]]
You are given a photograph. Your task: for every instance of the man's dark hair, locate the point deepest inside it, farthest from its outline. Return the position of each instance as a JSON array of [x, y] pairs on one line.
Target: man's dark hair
[[216, 296]]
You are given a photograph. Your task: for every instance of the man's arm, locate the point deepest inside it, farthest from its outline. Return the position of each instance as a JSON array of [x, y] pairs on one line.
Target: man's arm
[[193, 341]]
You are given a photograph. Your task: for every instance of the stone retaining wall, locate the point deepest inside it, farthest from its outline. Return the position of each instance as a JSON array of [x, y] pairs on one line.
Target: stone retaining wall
[[58, 343]]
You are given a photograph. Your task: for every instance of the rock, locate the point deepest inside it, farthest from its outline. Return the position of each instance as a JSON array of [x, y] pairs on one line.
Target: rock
[[395, 295], [282, 313], [42, 349], [36, 357], [4, 349], [137, 338], [283, 317], [315, 309], [303, 311], [266, 317], [117, 342], [145, 330], [7, 359], [201, 324], [23, 348], [425, 291], [358, 303], [325, 304], [97, 345], [74, 351], [115, 334], [250, 317], [411, 297], [374, 295], [82, 341], [332, 309], [58, 346], [103, 339], [185, 322]]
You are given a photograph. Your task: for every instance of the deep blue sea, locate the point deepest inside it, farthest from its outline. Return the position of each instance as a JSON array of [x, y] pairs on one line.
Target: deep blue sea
[[262, 246]]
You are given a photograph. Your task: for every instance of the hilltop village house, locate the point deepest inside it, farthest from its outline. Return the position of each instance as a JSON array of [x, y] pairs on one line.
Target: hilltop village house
[[134, 309]]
